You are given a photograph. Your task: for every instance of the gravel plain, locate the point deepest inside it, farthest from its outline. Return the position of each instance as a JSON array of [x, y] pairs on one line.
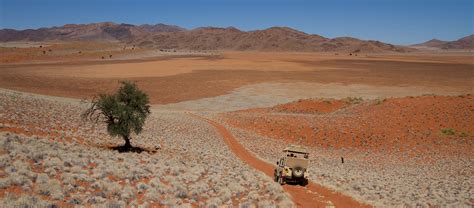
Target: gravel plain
[[50, 156], [269, 94]]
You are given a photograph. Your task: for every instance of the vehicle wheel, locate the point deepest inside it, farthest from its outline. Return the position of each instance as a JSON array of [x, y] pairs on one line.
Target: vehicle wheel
[[304, 182], [275, 176], [298, 172]]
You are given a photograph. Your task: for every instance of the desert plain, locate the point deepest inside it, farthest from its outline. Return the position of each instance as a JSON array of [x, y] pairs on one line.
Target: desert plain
[[403, 122]]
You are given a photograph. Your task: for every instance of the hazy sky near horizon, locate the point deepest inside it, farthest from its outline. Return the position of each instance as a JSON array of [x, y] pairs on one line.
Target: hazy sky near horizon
[[392, 21]]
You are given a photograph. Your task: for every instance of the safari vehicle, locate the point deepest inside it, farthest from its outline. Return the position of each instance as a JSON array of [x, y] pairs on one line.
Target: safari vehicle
[[292, 166]]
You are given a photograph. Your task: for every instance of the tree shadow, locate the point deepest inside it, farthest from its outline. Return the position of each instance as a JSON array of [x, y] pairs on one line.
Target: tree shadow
[[124, 149]]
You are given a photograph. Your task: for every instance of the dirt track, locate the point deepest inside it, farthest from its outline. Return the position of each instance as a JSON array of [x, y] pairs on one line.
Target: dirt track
[[313, 195]]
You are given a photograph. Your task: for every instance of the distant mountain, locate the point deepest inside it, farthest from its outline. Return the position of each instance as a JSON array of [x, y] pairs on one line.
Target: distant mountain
[[432, 43], [463, 43], [105, 31], [203, 38], [160, 28], [212, 38], [271, 39]]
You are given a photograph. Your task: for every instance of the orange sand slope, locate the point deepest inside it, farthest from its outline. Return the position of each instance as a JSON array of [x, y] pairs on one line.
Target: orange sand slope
[[427, 124]]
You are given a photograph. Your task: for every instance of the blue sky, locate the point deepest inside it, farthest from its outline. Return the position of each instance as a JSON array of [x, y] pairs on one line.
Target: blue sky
[[393, 21]]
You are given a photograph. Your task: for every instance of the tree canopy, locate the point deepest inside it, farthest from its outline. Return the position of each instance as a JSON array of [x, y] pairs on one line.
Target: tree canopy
[[124, 112]]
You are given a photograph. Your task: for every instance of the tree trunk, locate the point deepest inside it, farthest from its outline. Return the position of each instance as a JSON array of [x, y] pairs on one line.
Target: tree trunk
[[127, 144]]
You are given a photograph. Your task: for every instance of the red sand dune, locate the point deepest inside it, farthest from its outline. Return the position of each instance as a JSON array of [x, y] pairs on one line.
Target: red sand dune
[[399, 124], [310, 106]]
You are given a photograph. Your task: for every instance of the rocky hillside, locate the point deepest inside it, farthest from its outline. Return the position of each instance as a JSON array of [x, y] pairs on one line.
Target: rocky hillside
[[462, 43], [432, 43], [271, 39], [204, 38], [106, 31]]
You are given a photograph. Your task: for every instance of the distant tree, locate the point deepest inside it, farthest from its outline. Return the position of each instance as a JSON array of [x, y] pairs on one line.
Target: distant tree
[[124, 112]]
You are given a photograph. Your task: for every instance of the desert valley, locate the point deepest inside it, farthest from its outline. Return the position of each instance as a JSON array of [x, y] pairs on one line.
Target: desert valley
[[385, 125]]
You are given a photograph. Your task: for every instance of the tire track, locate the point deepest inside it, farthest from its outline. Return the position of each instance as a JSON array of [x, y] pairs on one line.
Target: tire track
[[313, 195]]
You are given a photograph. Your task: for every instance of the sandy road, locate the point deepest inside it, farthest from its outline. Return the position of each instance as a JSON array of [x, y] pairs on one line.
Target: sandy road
[[313, 195]]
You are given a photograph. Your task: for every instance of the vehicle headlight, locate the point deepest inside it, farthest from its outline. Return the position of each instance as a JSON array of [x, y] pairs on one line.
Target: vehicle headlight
[[287, 171]]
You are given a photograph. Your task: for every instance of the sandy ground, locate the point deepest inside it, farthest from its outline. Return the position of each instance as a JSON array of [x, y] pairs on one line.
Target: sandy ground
[[313, 195], [177, 79], [407, 178], [214, 83], [396, 124], [49, 156], [24, 44], [273, 93], [380, 179], [414, 151], [20, 53]]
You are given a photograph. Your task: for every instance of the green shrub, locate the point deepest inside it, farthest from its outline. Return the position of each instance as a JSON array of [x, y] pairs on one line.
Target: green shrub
[[378, 102], [448, 131], [464, 134], [353, 100]]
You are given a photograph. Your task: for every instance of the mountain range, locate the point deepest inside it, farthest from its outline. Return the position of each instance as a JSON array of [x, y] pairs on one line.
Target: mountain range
[[106, 31], [462, 43], [207, 38]]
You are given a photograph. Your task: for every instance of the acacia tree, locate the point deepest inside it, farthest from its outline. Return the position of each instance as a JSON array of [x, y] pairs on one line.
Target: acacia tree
[[124, 112]]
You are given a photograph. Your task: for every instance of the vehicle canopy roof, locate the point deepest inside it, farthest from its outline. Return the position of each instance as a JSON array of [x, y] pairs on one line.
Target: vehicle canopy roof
[[296, 149]]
